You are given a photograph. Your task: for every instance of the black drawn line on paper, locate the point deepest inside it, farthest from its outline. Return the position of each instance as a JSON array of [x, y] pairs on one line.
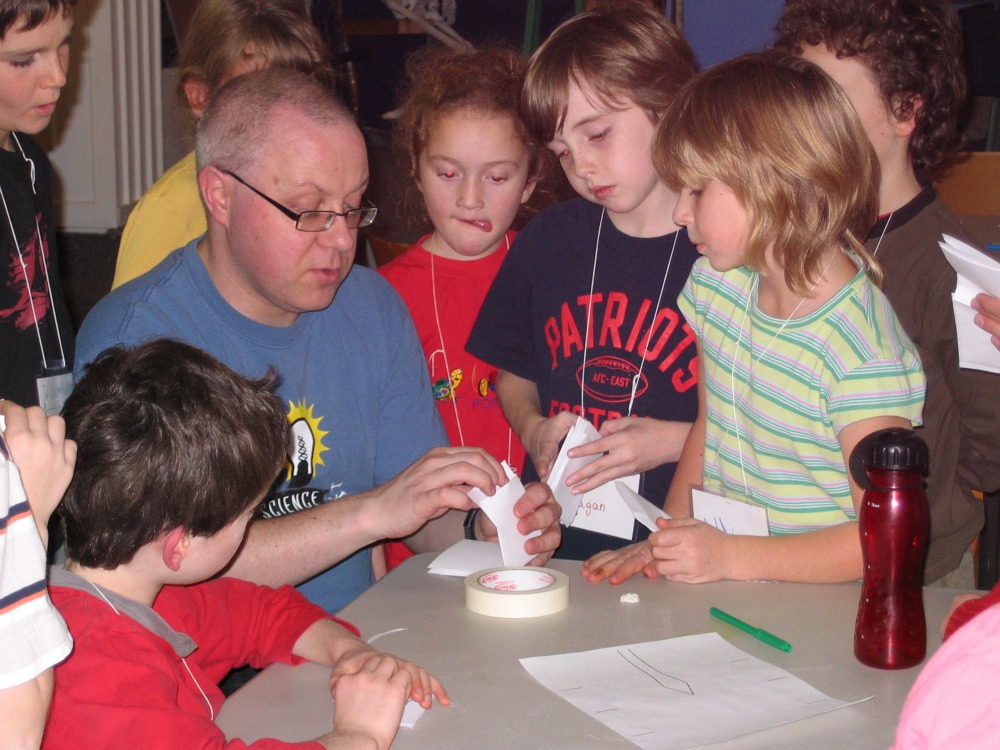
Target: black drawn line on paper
[[661, 678]]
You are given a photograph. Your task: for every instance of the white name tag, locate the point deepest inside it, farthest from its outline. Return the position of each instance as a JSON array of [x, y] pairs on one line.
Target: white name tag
[[730, 516], [53, 390], [603, 510]]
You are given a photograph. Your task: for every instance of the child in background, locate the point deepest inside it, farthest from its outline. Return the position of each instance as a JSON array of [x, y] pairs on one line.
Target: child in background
[[800, 353], [900, 64], [224, 39], [476, 166], [175, 452], [36, 336], [36, 463], [581, 319]]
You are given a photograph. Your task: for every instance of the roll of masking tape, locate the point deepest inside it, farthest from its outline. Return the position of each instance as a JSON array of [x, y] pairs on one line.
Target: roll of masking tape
[[516, 592]]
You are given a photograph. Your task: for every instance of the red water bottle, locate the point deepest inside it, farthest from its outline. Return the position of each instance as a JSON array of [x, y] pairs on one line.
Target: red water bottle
[[891, 631]]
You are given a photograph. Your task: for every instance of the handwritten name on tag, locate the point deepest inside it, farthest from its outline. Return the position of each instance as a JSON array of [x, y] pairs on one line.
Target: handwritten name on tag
[[730, 516]]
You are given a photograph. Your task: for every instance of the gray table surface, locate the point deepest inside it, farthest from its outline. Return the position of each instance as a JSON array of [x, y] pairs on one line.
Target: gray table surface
[[496, 704]]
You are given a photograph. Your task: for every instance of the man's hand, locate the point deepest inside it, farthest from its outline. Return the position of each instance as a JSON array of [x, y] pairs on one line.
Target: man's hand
[[43, 456], [438, 481], [537, 510]]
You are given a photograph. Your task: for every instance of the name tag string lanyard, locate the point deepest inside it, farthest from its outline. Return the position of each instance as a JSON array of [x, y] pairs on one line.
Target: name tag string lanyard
[[443, 351], [881, 237], [61, 362], [636, 379], [753, 287]]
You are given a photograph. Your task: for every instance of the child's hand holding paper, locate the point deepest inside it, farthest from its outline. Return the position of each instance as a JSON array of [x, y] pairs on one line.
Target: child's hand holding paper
[[977, 273]]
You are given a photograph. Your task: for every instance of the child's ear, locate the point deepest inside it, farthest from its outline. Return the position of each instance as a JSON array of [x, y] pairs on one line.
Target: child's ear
[[904, 126], [529, 188], [215, 193], [175, 547], [197, 92]]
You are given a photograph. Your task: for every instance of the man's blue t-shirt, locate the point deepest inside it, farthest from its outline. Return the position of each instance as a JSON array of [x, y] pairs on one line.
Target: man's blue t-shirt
[[352, 377]]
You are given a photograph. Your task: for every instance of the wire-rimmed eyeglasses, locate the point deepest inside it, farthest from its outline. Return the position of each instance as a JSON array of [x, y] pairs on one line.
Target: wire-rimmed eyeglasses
[[316, 221]]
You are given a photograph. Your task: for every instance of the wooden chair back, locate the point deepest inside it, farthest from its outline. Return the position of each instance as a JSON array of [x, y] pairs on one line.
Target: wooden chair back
[[971, 187]]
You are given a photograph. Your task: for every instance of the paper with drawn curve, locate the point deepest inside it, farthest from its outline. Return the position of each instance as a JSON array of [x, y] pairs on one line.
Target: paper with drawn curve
[[580, 433], [500, 510], [681, 692], [730, 516], [977, 273]]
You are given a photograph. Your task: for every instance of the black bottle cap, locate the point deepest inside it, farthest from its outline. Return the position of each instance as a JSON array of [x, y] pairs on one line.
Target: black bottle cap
[[892, 448]]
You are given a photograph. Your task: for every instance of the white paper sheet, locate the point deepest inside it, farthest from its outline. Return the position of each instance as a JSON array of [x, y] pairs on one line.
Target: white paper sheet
[[977, 273], [730, 516], [604, 510], [466, 557], [500, 510], [681, 692]]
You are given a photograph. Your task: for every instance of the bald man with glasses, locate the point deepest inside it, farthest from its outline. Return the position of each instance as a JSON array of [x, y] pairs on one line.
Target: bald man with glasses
[[282, 171]]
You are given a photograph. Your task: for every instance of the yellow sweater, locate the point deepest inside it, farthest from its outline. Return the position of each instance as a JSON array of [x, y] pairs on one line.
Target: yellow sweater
[[167, 217]]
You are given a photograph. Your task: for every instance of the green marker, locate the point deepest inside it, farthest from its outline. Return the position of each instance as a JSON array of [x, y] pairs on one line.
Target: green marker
[[760, 634]]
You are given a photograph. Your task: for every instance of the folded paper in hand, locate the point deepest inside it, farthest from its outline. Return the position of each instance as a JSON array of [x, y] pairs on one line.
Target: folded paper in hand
[[977, 273], [500, 510], [625, 499], [581, 433], [644, 511]]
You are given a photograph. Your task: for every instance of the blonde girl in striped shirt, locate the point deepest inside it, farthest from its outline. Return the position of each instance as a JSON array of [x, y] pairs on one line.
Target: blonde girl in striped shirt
[[800, 354]]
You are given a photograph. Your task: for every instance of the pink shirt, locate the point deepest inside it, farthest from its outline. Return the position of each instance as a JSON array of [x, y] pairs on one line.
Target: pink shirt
[[955, 702]]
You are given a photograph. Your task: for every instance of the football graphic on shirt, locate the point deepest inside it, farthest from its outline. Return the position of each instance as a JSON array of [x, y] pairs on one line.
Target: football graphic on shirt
[[610, 379]]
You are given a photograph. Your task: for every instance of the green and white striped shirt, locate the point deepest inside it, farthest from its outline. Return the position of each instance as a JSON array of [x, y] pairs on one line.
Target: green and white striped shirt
[[778, 394]]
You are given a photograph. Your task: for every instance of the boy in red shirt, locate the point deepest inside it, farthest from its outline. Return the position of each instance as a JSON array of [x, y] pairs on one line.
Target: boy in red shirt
[[174, 452]]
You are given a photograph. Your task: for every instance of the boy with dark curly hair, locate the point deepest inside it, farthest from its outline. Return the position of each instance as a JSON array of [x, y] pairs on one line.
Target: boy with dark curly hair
[[900, 63]]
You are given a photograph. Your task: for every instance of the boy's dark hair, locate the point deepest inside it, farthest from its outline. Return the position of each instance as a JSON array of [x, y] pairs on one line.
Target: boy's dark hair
[[913, 50], [167, 437], [29, 14]]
